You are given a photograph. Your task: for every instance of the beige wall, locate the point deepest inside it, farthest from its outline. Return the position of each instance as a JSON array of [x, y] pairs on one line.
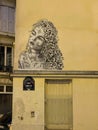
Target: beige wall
[[76, 22], [85, 105], [25, 102]]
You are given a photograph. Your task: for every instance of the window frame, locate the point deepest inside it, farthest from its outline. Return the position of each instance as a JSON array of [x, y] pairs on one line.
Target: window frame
[[7, 68], [7, 17], [4, 90]]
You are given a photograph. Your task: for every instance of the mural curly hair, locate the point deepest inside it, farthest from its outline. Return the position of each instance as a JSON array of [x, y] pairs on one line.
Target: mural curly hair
[[50, 50]]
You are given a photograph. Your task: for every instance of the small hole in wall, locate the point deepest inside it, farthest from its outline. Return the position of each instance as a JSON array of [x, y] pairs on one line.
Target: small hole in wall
[[32, 113]]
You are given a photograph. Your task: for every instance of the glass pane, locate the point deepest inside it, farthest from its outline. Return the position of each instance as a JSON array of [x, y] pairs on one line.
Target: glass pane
[[11, 20], [1, 55], [9, 88], [4, 18], [9, 56], [1, 88], [5, 103]]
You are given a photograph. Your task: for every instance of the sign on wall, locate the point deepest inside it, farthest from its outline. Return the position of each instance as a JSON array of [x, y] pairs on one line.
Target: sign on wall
[[28, 83]]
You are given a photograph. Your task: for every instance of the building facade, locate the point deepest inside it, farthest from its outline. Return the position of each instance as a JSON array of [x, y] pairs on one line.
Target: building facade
[[55, 81], [7, 38]]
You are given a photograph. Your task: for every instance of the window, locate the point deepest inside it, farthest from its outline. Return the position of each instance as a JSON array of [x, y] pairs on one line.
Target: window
[[8, 89], [1, 88], [6, 58], [7, 19], [9, 56], [2, 55], [5, 103], [5, 98]]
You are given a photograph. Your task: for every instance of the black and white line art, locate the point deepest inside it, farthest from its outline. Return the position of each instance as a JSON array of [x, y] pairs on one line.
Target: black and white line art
[[42, 51]]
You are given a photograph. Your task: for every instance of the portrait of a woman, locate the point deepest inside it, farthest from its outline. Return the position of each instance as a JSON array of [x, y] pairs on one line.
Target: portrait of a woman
[[42, 51]]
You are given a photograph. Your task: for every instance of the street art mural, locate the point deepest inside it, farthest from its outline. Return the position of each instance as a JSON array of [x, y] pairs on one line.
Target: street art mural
[[42, 51]]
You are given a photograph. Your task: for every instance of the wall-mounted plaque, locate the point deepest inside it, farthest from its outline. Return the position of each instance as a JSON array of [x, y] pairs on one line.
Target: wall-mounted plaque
[[28, 83]]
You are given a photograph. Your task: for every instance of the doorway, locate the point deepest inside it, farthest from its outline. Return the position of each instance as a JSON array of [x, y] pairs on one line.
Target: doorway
[[58, 104]]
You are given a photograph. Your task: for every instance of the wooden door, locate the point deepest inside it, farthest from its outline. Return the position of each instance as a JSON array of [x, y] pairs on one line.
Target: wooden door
[[58, 104]]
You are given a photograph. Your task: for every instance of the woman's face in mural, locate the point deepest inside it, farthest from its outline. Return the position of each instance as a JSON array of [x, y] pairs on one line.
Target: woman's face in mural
[[36, 39], [42, 51]]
